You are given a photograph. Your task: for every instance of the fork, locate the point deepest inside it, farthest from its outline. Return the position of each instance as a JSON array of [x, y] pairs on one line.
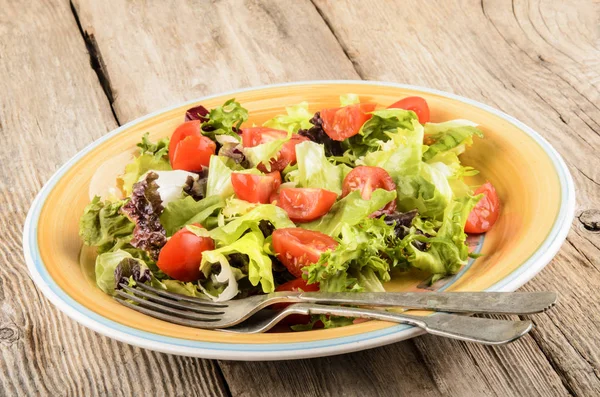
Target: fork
[[473, 329], [203, 313]]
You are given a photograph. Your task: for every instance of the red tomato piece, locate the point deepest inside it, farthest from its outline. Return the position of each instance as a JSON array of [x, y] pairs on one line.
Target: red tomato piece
[[193, 153], [297, 248], [342, 123], [304, 204], [416, 104], [189, 128], [255, 136], [180, 257], [486, 211], [367, 179], [298, 284], [255, 188]]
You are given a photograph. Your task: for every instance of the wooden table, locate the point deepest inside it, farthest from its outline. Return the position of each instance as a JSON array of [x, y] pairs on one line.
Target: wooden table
[[70, 72]]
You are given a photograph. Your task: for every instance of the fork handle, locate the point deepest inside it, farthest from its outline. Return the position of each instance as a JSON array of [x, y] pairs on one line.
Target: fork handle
[[455, 302], [474, 329]]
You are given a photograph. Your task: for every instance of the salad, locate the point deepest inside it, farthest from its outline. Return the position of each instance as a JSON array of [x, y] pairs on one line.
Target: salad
[[331, 201]]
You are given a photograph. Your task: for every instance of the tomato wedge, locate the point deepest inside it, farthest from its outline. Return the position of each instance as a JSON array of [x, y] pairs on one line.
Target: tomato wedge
[[486, 211], [416, 104], [304, 204], [297, 248], [192, 153], [255, 136], [189, 128], [367, 179], [342, 123], [255, 188], [180, 257]]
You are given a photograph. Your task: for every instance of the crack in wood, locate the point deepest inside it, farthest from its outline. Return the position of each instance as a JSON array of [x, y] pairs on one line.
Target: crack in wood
[[96, 61]]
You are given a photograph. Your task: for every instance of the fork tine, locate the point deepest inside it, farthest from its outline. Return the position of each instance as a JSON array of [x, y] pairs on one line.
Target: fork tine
[[172, 303], [207, 324], [172, 295], [168, 310]]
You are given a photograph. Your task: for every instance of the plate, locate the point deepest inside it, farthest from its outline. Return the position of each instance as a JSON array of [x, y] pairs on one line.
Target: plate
[[533, 182]]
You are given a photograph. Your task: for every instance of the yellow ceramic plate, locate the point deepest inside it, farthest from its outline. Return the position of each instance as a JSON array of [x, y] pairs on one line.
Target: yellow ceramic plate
[[535, 188]]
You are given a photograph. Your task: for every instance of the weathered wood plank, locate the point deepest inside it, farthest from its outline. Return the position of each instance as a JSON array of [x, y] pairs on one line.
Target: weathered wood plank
[[51, 106], [203, 47], [529, 60]]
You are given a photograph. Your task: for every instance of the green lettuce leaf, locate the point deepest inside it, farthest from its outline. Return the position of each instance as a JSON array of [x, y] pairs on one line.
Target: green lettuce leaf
[[350, 210], [158, 149], [452, 135], [446, 251], [186, 211], [139, 166], [102, 224], [265, 152], [259, 266], [237, 226], [219, 176], [361, 261], [179, 287], [379, 129], [225, 120], [297, 118], [314, 170]]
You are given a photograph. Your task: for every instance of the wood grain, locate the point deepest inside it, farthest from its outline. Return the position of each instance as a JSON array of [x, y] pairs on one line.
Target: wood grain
[[204, 47], [536, 60], [51, 106]]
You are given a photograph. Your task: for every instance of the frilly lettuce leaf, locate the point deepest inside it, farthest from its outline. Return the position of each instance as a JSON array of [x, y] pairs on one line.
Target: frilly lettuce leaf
[[158, 149], [314, 170], [102, 224], [297, 118], [446, 251], [361, 261], [350, 210], [225, 120], [378, 129]]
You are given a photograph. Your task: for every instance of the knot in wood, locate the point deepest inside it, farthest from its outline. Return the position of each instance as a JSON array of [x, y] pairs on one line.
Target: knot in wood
[[590, 220], [9, 334]]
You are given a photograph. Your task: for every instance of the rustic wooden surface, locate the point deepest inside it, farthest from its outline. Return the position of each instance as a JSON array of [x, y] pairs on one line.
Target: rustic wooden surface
[[71, 72]]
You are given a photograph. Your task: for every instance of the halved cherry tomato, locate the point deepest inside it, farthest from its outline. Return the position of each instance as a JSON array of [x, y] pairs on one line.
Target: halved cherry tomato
[[486, 211], [255, 188], [296, 247], [304, 204], [180, 257], [342, 123], [189, 128], [255, 136], [367, 179], [193, 153], [298, 284], [416, 104]]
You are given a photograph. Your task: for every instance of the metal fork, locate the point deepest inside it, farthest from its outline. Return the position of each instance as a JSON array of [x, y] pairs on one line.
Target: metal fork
[[203, 313], [473, 329]]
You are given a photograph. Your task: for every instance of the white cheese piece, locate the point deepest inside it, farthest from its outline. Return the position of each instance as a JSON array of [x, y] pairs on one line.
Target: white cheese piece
[[171, 183]]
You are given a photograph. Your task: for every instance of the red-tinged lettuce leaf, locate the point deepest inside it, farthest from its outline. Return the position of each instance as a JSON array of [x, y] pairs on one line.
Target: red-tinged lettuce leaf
[[197, 113], [144, 209]]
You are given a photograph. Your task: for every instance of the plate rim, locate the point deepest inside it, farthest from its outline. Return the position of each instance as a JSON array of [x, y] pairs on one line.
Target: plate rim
[[295, 350]]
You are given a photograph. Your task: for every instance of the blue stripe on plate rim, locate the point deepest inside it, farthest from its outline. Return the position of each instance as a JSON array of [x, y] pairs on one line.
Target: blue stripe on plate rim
[[276, 351]]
